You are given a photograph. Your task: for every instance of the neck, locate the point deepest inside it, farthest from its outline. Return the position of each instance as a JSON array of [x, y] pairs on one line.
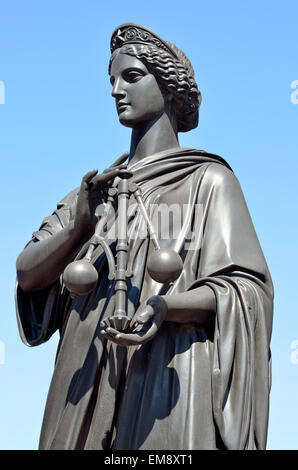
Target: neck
[[156, 136]]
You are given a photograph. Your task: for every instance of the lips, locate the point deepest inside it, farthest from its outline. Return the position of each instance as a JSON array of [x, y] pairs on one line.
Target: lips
[[121, 106]]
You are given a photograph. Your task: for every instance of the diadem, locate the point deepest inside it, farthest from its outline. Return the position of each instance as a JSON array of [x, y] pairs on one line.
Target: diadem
[[131, 33]]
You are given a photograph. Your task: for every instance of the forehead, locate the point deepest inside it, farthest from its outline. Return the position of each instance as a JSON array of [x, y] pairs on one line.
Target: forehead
[[123, 62]]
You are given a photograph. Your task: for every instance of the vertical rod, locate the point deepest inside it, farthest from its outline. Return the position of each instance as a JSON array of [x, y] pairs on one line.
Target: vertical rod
[[121, 249]]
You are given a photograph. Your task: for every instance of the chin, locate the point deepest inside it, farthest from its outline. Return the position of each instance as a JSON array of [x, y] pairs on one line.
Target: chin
[[137, 123], [126, 122], [130, 122]]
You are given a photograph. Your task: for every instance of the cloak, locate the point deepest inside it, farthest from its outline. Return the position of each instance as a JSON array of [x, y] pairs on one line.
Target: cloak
[[193, 386]]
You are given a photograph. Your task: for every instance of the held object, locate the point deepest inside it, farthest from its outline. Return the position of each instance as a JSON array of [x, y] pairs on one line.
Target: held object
[[80, 277]]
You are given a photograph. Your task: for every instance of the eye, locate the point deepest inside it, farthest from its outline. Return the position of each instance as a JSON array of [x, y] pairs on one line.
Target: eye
[[112, 80], [133, 75]]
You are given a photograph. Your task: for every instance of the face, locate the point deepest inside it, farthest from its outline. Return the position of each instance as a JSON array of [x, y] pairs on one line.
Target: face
[[138, 96]]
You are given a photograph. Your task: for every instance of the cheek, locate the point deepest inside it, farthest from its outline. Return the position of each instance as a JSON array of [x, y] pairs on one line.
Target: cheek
[[149, 94]]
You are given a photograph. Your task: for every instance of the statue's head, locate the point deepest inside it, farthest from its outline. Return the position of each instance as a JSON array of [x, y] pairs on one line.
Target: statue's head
[[168, 64]]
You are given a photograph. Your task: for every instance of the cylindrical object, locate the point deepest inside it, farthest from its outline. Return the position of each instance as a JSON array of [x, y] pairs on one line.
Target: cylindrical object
[[121, 249]]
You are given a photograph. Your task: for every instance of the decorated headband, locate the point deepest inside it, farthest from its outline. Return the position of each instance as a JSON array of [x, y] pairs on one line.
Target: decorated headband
[[131, 33]]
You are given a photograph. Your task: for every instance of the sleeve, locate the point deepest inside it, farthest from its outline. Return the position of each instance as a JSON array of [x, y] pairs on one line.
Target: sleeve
[[38, 313], [233, 265]]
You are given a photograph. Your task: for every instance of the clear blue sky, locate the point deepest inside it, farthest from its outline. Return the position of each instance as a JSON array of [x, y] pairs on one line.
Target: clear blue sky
[[59, 121]]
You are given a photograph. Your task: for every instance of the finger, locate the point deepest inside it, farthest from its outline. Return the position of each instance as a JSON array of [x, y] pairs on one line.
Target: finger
[[145, 315], [104, 177], [106, 335], [104, 323], [123, 338], [120, 170], [132, 338], [134, 325], [114, 333], [88, 176], [141, 317], [120, 159], [118, 167]]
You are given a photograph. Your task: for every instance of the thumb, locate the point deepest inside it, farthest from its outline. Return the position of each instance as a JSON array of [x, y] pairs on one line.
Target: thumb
[[145, 314]]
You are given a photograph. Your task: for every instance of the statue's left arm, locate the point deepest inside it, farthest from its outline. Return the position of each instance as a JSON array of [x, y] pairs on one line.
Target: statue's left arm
[[197, 306]]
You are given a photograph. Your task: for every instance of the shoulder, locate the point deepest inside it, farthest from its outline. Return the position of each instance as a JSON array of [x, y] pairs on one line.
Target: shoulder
[[215, 169], [60, 217], [219, 175], [69, 199]]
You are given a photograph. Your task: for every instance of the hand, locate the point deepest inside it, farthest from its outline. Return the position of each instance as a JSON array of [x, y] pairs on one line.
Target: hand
[[149, 316], [91, 194]]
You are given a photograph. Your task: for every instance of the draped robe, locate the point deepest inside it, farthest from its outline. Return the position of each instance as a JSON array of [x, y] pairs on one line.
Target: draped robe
[[193, 386]]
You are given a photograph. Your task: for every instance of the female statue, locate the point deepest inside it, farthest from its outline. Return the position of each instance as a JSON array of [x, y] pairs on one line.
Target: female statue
[[192, 370]]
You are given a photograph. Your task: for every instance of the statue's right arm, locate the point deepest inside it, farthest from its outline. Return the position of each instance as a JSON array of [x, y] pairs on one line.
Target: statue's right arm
[[41, 263]]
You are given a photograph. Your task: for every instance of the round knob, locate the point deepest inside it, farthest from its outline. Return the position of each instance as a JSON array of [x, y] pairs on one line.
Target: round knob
[[80, 277], [164, 265]]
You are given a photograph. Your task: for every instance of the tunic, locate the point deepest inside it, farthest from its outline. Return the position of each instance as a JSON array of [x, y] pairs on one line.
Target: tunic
[[193, 386]]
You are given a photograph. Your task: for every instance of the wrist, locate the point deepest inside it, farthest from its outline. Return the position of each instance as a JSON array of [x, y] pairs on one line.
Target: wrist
[[159, 304], [79, 233]]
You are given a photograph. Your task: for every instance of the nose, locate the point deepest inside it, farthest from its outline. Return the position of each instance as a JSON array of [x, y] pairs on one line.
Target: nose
[[118, 90]]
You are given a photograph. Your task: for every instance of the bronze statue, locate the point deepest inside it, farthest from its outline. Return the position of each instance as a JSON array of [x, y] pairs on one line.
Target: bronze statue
[[186, 362]]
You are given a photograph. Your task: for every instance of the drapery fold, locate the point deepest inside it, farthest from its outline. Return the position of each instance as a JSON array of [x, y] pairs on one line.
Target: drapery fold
[[193, 386]]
